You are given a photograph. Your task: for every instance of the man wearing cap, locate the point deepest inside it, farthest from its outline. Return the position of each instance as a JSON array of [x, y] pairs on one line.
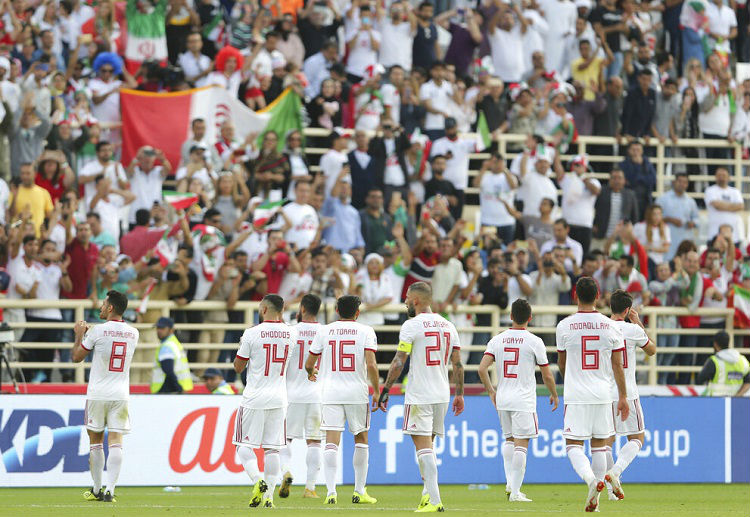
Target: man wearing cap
[[215, 382], [579, 193], [727, 372], [457, 151], [171, 372]]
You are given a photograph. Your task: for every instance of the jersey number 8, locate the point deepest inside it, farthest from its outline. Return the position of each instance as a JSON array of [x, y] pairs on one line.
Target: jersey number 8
[[117, 357]]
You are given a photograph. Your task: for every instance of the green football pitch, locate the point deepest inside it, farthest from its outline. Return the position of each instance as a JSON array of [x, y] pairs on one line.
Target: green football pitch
[[559, 500]]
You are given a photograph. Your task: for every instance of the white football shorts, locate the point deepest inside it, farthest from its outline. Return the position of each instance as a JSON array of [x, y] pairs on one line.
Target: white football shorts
[[586, 421], [634, 424], [356, 416], [303, 421], [425, 419], [260, 428], [112, 414], [518, 424]]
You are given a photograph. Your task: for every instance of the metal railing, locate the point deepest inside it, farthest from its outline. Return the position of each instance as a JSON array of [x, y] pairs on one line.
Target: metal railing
[[250, 309]]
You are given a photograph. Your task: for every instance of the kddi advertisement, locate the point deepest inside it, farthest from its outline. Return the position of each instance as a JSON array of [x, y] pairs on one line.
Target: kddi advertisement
[[186, 440]]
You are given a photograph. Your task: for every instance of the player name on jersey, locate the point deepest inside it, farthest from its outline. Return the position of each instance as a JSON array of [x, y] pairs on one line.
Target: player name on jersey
[[589, 325]]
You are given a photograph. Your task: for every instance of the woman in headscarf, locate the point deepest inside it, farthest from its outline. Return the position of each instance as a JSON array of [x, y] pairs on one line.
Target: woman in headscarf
[[270, 171]]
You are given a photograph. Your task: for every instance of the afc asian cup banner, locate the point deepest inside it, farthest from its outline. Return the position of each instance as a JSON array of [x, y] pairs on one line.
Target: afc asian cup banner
[[186, 440]]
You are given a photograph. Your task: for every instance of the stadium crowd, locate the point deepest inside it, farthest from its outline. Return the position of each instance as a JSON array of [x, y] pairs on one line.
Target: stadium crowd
[[399, 85]]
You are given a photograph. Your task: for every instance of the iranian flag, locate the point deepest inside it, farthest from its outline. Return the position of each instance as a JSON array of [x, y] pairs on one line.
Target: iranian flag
[[162, 120], [263, 213], [180, 200], [741, 305], [146, 35]]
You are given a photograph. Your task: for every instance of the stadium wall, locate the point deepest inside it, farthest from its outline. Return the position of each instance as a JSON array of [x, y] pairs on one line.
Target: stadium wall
[[179, 440]]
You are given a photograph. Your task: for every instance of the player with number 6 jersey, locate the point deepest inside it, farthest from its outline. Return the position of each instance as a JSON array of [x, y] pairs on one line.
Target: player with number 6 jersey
[[589, 349], [346, 350], [634, 335], [432, 341], [517, 352], [113, 344], [261, 417], [304, 411]]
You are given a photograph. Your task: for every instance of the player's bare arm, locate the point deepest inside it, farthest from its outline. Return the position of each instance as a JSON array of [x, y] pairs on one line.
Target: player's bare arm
[[549, 382], [622, 403], [650, 348], [458, 381], [312, 372], [239, 364], [79, 352], [397, 366], [373, 375], [561, 358], [484, 376]]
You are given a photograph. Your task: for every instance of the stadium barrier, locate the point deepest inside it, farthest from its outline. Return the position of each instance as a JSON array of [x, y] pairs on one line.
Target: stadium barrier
[[187, 441], [648, 367]]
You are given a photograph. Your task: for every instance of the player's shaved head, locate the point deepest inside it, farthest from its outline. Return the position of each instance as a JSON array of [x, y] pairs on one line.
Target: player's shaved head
[[418, 298], [347, 306], [520, 312], [620, 301], [273, 303], [587, 290], [118, 301], [311, 304], [421, 289]]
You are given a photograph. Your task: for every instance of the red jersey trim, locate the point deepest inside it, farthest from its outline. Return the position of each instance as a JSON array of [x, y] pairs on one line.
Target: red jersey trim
[[490, 354], [272, 321], [84, 347], [618, 349], [313, 353], [243, 358], [367, 348], [545, 364], [586, 312]]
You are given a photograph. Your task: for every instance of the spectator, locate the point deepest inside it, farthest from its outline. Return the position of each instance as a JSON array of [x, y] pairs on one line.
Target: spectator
[[457, 151], [722, 27], [425, 258], [666, 113], [519, 283], [465, 37], [54, 174], [562, 239], [317, 67], [493, 288], [608, 122], [425, 49], [335, 161], [363, 170], [224, 288], [376, 223], [506, 32], [438, 185], [198, 165], [105, 92], [82, 255], [723, 204], [639, 107], [680, 213], [326, 281], [374, 289], [535, 183], [494, 105], [325, 109], [715, 119], [193, 62], [315, 35], [537, 228], [626, 277], [435, 95], [28, 201], [108, 203], [614, 204], [579, 194], [496, 192], [561, 17], [446, 278], [231, 196], [588, 69], [345, 231], [398, 29], [640, 175], [99, 235], [138, 241], [653, 234], [607, 21], [171, 373], [548, 282], [146, 177], [27, 135], [305, 225], [363, 45], [392, 93], [720, 275], [665, 291], [103, 165], [198, 128]]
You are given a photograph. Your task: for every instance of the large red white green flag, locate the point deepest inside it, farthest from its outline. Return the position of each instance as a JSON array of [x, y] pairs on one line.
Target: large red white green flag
[[162, 120]]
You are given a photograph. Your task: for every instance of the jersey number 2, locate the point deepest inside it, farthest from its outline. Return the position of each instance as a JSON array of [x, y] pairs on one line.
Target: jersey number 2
[[117, 357], [589, 358], [429, 349], [510, 362]]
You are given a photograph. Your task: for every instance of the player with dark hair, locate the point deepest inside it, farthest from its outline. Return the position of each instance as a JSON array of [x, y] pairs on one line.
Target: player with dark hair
[[517, 352], [108, 390]]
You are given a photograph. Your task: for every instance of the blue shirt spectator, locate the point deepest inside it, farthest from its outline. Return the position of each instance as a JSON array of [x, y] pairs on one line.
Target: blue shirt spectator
[[680, 213], [345, 233]]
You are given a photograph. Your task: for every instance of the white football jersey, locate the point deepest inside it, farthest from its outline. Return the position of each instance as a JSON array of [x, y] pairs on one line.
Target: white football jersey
[[343, 370], [634, 336], [516, 353], [299, 389], [588, 338], [266, 347], [113, 344], [429, 338]]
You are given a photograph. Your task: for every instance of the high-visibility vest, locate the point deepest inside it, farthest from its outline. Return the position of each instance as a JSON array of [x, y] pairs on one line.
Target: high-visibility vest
[[181, 368], [223, 389], [728, 377]]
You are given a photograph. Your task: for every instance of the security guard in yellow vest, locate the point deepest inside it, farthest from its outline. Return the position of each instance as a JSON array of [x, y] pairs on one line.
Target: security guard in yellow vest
[[727, 371], [215, 382], [171, 372]]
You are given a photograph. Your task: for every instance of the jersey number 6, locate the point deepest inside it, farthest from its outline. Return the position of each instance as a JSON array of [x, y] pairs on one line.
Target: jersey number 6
[[589, 358]]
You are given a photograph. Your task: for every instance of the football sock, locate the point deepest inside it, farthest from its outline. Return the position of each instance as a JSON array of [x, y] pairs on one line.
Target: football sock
[[114, 463], [627, 454], [285, 457], [507, 449], [330, 458], [518, 470], [580, 463], [610, 458], [249, 463], [428, 466], [271, 472], [313, 464], [360, 460], [599, 462], [96, 464]]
